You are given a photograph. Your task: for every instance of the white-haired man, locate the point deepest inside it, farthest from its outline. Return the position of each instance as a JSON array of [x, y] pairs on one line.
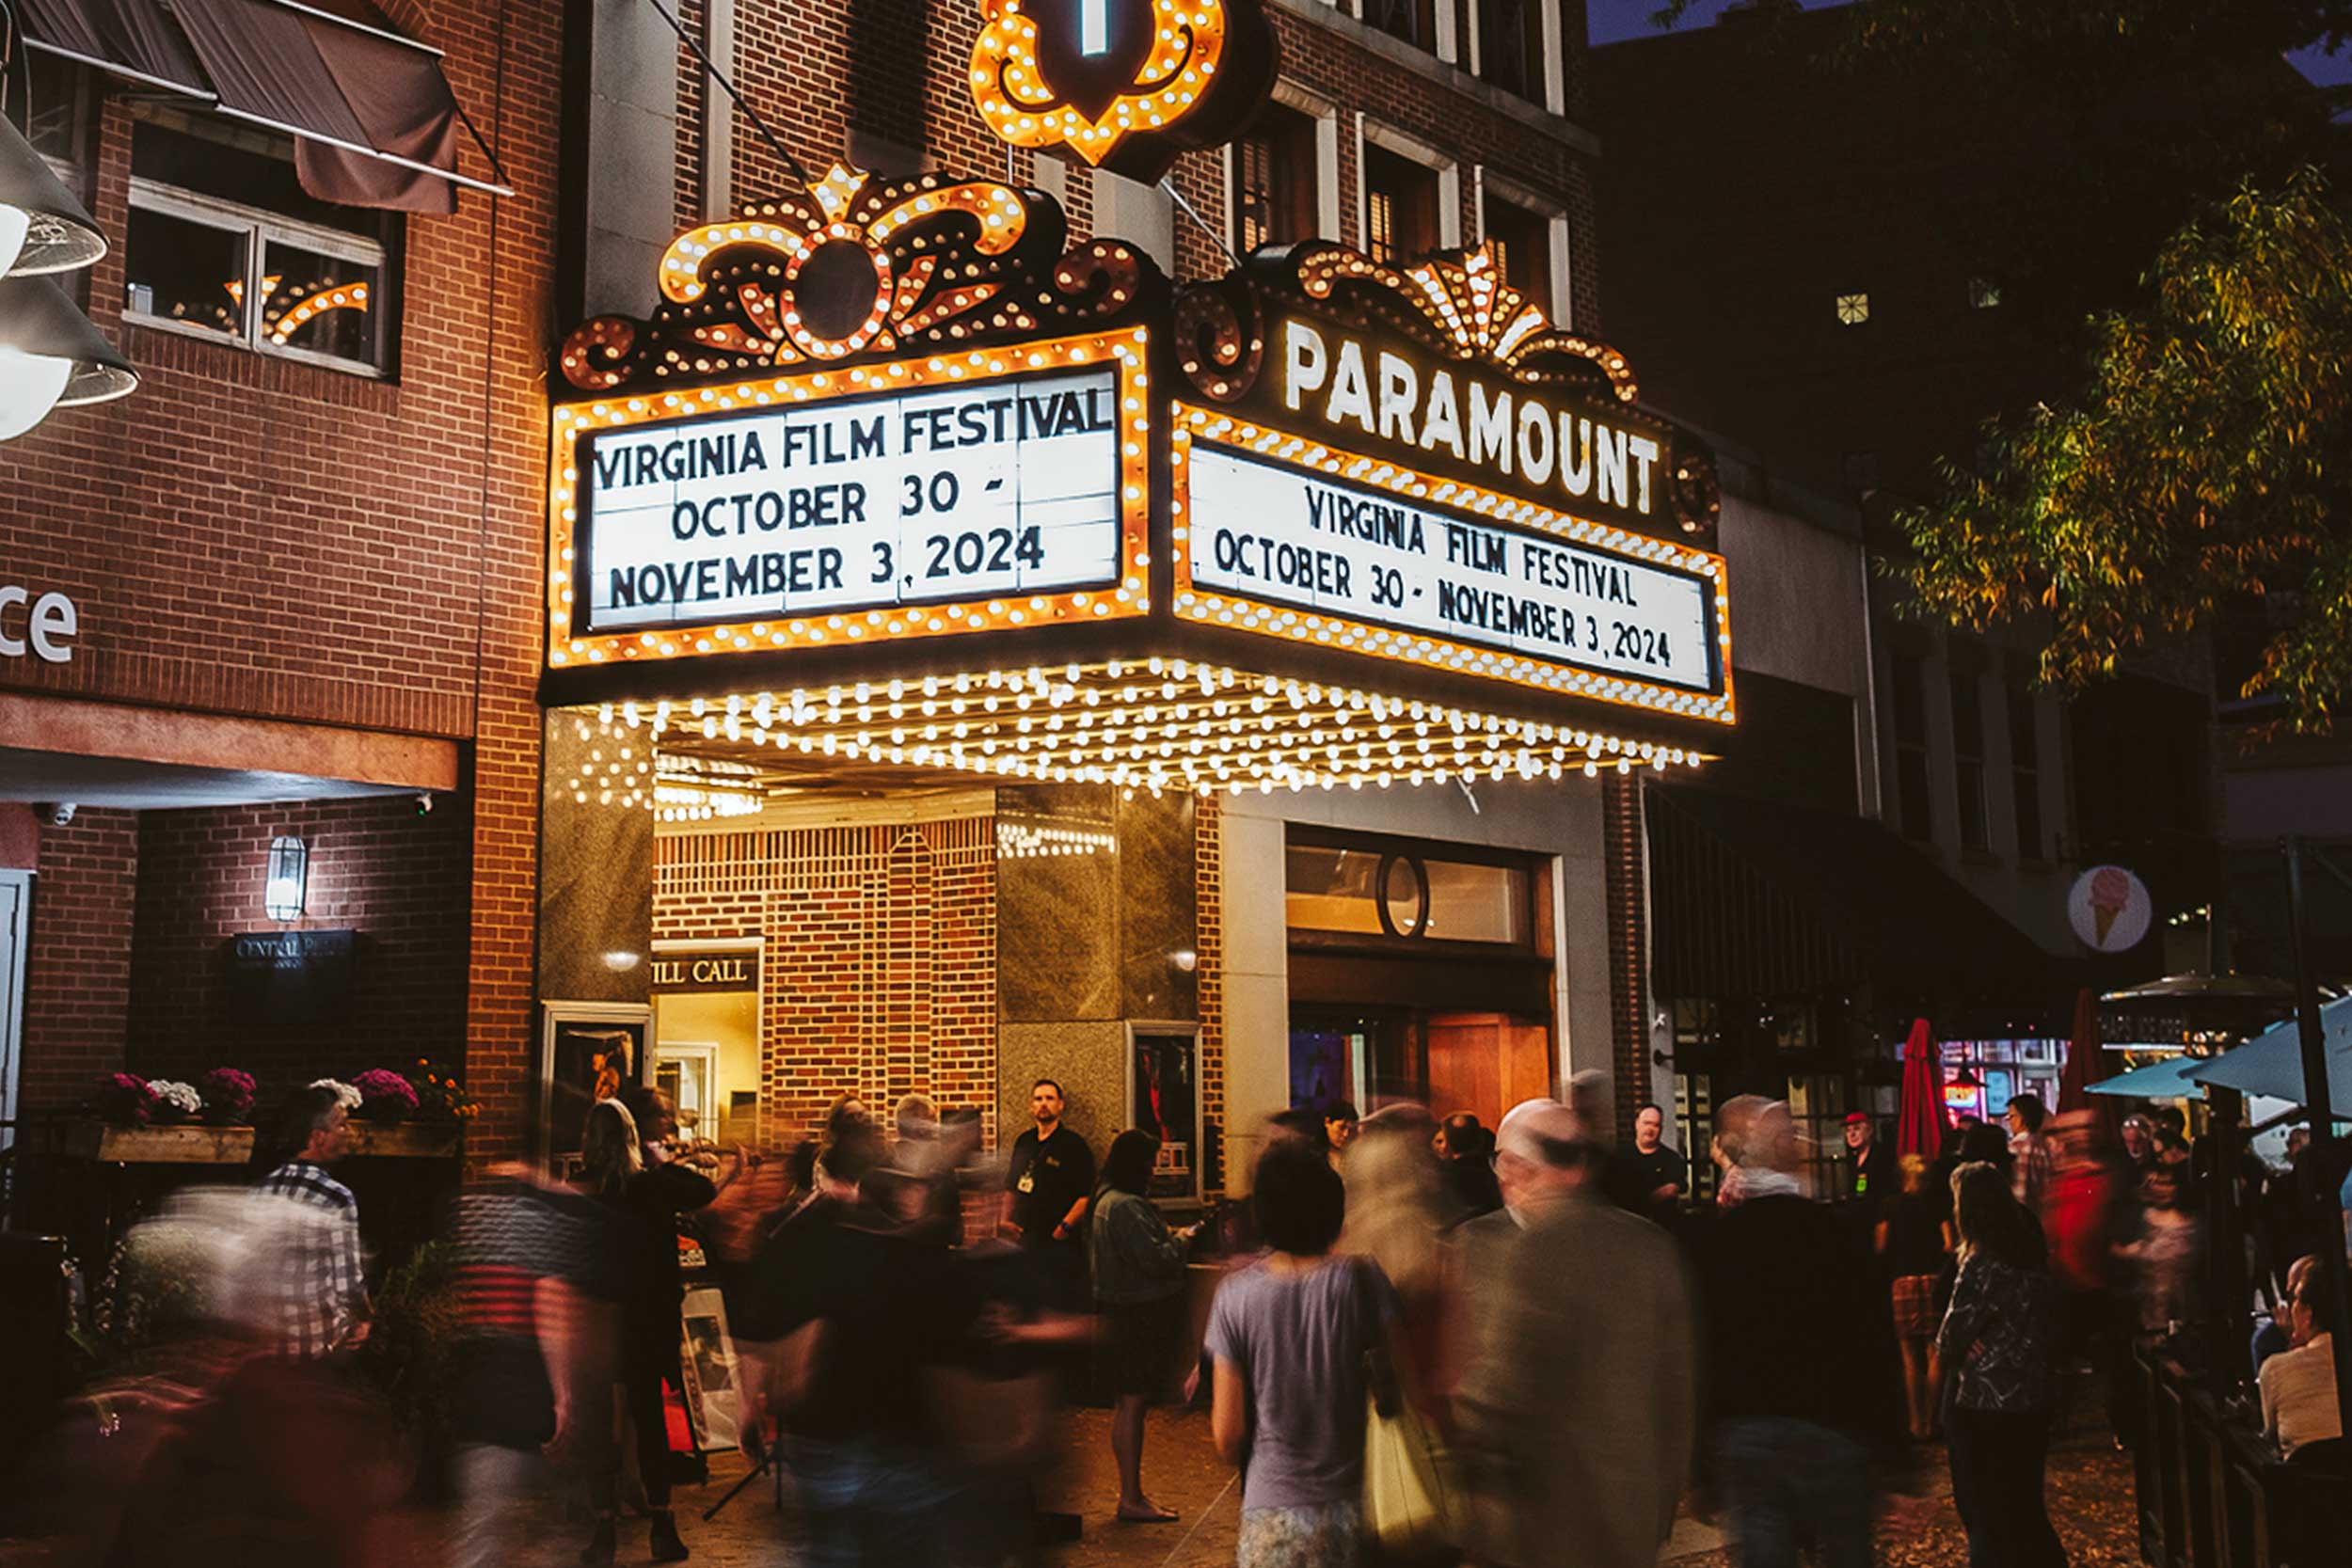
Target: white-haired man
[[1576, 1406]]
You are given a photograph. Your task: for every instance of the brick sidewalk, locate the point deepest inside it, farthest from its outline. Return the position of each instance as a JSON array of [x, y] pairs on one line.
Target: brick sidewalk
[[2090, 1499]]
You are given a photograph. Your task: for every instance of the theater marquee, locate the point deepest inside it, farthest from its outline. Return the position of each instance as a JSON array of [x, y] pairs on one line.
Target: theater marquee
[[991, 475], [1412, 463], [892, 482]]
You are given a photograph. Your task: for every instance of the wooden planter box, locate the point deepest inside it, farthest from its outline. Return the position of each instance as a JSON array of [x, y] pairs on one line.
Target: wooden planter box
[[187, 1144], [407, 1140]]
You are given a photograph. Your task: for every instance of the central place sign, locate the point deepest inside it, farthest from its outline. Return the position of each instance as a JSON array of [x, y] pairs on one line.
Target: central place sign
[[1285, 535], [1006, 488]]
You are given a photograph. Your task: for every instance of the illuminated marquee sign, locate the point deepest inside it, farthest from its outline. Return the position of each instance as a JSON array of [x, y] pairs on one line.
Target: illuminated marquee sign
[[1126, 85], [992, 472], [1004, 487], [1414, 464], [1284, 536]]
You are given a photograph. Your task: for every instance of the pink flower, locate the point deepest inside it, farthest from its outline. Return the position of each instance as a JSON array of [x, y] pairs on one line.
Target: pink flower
[[383, 1092]]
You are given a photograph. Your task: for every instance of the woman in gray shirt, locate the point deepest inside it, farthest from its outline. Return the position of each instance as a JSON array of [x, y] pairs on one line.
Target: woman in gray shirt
[[1289, 1334]]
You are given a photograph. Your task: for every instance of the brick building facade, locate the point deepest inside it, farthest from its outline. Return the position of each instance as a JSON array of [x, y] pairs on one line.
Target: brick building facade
[[296, 582]]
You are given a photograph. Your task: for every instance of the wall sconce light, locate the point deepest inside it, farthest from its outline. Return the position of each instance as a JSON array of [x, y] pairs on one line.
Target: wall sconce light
[[288, 878]]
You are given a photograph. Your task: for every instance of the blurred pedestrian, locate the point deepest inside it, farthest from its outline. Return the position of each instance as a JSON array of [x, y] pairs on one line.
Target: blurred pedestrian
[[1464, 1153], [2164, 1255], [1395, 1215], [1799, 1389], [1574, 1415], [1292, 1338], [320, 1296], [1141, 1269], [2139, 1146], [1914, 1241], [1999, 1343], [1756, 1146], [916, 1184], [1048, 1186], [540, 1275], [2028, 1151], [843, 1324], [2082, 1211]]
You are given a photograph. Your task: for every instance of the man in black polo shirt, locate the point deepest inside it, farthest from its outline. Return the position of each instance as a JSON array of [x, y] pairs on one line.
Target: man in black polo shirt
[[1048, 1188]]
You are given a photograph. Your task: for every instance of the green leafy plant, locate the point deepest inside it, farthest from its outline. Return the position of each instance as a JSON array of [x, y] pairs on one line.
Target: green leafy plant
[[2204, 465]]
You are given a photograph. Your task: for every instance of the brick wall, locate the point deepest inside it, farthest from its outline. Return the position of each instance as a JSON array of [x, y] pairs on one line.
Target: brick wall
[[398, 879], [1624, 850], [1208, 869], [77, 979], [251, 536], [879, 974]]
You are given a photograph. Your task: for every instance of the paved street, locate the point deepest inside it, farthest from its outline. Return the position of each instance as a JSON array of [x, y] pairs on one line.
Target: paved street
[[2090, 1501]]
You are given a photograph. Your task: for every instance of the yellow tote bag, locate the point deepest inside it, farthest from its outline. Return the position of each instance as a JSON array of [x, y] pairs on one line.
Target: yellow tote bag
[[1409, 1493]]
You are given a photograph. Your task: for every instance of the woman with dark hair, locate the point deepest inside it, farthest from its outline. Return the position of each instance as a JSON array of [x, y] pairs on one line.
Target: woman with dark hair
[[1138, 1266], [1999, 1338], [1290, 1336]]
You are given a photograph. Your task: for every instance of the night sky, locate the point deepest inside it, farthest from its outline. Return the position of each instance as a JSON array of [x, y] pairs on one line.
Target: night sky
[[1613, 20]]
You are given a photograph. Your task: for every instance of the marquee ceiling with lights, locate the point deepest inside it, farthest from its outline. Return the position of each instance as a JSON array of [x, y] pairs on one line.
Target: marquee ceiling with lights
[[894, 491]]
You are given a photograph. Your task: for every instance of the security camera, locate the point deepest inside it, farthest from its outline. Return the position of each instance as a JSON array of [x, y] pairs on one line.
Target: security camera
[[425, 802], [56, 813]]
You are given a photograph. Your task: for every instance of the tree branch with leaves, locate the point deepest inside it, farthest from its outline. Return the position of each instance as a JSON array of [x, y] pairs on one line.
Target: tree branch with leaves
[[2204, 463]]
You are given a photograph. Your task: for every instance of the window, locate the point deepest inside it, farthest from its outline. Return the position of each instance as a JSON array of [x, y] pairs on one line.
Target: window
[[1982, 1077], [1276, 194], [1511, 46], [1853, 309], [1400, 206], [1383, 892], [223, 242], [2025, 771], [1968, 759], [58, 117], [1914, 810], [1984, 294], [1522, 244], [1414, 20]]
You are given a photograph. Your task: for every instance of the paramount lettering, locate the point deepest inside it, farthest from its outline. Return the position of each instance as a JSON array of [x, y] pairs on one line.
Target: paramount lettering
[[1506, 430]]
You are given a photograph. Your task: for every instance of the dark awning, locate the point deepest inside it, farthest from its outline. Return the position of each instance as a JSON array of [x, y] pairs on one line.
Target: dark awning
[[1750, 897], [132, 39], [374, 120]]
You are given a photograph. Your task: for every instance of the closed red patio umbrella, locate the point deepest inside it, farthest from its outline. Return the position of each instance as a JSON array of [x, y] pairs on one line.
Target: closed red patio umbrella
[[1920, 1129], [2081, 1050]]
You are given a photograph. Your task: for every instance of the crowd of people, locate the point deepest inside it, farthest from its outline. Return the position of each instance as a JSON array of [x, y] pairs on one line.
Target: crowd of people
[[1427, 1340]]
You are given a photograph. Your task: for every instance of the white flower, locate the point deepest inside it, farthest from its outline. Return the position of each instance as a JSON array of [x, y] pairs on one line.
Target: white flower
[[182, 1098], [344, 1092]]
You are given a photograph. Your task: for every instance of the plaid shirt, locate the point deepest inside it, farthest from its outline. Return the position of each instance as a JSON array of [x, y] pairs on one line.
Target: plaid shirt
[[315, 1294]]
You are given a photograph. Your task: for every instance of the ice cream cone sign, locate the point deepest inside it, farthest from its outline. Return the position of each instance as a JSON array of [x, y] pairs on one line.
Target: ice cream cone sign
[[2109, 908]]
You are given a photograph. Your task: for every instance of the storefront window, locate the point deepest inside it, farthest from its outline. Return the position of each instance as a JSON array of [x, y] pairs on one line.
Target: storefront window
[[1982, 1077], [1377, 892]]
